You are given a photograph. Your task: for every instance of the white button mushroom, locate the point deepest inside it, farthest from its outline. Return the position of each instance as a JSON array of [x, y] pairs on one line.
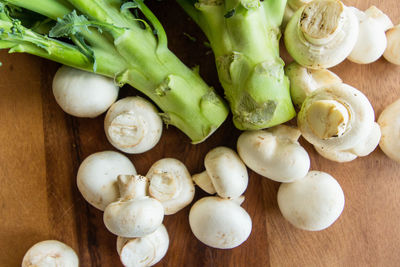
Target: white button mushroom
[[303, 81], [135, 214], [321, 34], [226, 171], [97, 177], [371, 42], [133, 125], [83, 94], [312, 203], [389, 121], [339, 120], [392, 52], [274, 153], [143, 251], [219, 223], [50, 253], [171, 184]]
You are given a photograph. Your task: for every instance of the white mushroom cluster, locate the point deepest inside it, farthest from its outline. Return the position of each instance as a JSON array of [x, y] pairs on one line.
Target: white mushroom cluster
[[274, 153], [389, 121], [133, 125], [340, 122], [308, 200], [50, 253], [322, 33], [134, 206], [219, 221]]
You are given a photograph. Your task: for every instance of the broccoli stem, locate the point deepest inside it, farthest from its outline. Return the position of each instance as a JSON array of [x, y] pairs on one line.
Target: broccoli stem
[[50, 8], [188, 102], [137, 57], [244, 36]]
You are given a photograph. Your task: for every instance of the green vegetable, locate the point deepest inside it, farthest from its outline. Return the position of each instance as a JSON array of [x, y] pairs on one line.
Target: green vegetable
[[131, 47], [244, 35]]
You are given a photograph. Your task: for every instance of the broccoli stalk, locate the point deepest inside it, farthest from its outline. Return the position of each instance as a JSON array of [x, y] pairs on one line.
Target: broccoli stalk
[[244, 35], [110, 40]]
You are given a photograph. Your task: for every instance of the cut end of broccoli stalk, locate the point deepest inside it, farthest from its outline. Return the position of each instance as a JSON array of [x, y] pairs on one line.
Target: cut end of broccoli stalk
[[132, 50], [244, 35]]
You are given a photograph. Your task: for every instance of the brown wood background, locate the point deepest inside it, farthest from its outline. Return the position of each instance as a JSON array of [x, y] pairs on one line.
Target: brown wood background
[[41, 148]]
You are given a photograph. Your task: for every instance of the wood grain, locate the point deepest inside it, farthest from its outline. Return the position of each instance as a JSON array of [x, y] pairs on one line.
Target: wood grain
[[41, 148]]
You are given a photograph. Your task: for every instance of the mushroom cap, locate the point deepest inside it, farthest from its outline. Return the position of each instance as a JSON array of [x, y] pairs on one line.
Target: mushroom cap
[[312, 203], [303, 81], [50, 253], [133, 125], [219, 223], [363, 148], [389, 121], [383, 19], [171, 184], [143, 251], [274, 154], [133, 218], [97, 177], [392, 52], [371, 42], [321, 41], [83, 94], [360, 117], [227, 172], [336, 155]]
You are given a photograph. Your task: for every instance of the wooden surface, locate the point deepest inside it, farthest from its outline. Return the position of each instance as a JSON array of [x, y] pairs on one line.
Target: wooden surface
[[41, 148]]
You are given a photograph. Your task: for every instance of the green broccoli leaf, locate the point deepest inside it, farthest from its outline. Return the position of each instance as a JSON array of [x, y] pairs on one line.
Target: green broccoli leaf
[[71, 23]]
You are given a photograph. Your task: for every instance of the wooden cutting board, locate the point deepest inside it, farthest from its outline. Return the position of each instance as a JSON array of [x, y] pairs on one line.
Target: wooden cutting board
[[41, 148]]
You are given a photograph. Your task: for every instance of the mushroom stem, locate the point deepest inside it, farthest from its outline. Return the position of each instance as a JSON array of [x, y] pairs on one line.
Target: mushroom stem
[[127, 129], [290, 133], [132, 186], [328, 118], [204, 181], [321, 21]]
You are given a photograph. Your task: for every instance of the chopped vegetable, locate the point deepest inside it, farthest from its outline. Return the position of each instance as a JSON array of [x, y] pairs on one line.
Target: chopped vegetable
[[130, 47], [244, 36]]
